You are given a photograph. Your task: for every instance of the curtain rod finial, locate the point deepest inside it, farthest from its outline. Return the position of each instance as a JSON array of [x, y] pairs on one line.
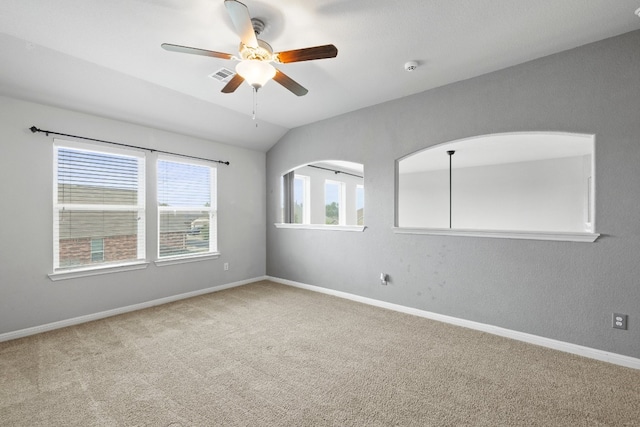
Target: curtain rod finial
[[34, 129]]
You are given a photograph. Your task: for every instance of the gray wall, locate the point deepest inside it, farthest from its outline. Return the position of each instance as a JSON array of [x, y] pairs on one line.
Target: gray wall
[[560, 290], [29, 298]]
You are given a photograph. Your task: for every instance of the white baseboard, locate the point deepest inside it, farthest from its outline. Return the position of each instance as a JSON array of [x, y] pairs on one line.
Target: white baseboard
[[103, 314], [592, 353]]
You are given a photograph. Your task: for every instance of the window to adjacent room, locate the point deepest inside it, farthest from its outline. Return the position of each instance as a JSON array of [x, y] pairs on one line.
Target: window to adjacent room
[[530, 185], [187, 224], [99, 206], [323, 195]]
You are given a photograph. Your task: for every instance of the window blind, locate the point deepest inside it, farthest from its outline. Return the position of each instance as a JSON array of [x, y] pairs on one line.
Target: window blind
[[99, 206], [187, 222]]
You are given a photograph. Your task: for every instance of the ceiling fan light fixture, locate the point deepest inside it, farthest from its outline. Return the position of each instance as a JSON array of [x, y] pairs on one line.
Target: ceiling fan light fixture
[[255, 72]]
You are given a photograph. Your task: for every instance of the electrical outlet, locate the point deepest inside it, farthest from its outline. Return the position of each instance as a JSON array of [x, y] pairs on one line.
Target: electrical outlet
[[619, 321], [226, 266]]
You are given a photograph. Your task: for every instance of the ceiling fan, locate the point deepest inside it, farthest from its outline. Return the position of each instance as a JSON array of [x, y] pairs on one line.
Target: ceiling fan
[[257, 55]]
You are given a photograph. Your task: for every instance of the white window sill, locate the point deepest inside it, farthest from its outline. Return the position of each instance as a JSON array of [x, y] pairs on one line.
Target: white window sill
[[503, 234], [186, 259], [321, 227], [95, 271]]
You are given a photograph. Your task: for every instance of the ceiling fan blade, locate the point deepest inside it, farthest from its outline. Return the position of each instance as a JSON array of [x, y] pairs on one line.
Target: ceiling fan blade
[[195, 51], [241, 19], [289, 83], [306, 54], [233, 84]]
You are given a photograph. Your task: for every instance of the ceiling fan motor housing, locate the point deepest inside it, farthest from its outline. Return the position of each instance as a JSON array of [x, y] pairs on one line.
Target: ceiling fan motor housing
[[264, 51]]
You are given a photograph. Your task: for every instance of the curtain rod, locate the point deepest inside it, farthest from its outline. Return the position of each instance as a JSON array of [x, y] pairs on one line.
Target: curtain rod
[[335, 171], [47, 132]]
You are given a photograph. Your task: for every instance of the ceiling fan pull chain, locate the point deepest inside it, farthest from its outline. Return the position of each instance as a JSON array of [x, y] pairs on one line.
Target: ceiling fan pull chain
[[255, 104]]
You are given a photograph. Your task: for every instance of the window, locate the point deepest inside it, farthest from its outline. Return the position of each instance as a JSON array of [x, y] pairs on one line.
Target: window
[[97, 250], [334, 202], [99, 205], [187, 222], [301, 202], [359, 204]]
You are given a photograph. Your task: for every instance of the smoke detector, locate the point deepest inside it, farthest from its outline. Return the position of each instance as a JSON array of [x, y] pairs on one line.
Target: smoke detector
[[410, 66]]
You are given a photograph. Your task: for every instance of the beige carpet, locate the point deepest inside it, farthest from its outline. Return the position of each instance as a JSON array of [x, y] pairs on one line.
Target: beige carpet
[[271, 355]]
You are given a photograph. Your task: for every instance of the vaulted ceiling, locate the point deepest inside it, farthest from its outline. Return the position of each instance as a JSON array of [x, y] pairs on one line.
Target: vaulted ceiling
[[104, 57]]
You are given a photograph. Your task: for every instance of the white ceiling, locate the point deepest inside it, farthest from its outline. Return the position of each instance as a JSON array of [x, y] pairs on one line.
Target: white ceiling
[[104, 57]]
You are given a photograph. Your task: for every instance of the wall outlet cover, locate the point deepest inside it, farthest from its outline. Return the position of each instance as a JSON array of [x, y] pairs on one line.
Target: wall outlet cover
[[619, 321]]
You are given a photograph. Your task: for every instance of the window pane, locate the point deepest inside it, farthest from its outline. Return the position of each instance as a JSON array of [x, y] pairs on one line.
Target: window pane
[[282, 192], [79, 232], [332, 198], [183, 185], [97, 250], [186, 207], [184, 233], [86, 177], [359, 205], [299, 200]]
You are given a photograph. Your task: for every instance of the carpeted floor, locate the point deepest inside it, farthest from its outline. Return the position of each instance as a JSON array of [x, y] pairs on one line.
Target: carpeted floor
[[270, 355]]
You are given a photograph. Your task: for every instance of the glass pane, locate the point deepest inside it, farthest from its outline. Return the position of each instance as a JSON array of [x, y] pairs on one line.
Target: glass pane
[[360, 205], [298, 200], [184, 233], [86, 177], [282, 192], [97, 245], [183, 185], [97, 250], [80, 233], [332, 198]]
